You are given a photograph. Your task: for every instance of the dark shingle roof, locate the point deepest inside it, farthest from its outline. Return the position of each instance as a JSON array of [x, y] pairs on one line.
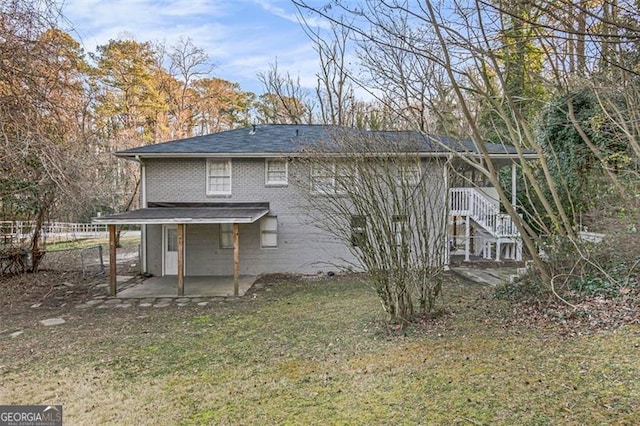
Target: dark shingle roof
[[292, 139]]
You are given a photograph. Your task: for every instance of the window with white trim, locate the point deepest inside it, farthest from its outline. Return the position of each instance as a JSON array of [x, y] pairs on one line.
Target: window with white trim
[[218, 177], [330, 178], [226, 235], [269, 232], [410, 173], [276, 172]]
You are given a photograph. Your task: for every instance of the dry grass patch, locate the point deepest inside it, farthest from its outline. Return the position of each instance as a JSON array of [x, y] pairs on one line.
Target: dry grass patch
[[310, 352]]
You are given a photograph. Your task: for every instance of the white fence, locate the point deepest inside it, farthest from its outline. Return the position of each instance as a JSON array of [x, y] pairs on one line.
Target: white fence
[[17, 231]]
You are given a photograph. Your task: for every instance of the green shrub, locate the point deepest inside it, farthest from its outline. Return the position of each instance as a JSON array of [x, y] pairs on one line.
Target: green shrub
[[583, 270]]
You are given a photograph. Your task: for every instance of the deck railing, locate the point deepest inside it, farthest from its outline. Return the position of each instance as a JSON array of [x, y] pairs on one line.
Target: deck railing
[[471, 202]]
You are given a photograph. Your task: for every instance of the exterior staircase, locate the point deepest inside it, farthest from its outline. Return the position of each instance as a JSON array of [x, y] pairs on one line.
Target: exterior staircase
[[496, 236]]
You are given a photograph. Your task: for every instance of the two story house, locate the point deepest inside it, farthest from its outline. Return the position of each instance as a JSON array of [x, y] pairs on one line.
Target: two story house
[[227, 203]]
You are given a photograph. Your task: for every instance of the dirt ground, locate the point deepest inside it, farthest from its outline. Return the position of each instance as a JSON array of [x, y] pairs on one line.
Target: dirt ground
[[31, 296]]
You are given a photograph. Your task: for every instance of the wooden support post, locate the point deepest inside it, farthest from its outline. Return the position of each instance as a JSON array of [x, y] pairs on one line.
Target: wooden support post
[[181, 259], [236, 259], [455, 230], [113, 277]]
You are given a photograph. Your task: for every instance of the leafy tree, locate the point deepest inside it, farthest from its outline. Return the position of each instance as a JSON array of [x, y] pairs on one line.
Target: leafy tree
[[372, 116], [583, 148], [130, 109], [220, 105], [45, 161], [519, 60], [273, 108], [128, 95]]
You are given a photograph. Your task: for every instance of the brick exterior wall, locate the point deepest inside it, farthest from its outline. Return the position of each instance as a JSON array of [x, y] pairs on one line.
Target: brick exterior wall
[[302, 247]]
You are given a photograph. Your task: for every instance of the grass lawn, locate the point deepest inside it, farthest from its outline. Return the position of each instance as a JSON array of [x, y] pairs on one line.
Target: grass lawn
[[81, 243], [314, 352]]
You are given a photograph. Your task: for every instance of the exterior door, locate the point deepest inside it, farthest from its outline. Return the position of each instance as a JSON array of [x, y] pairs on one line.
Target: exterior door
[[170, 250]]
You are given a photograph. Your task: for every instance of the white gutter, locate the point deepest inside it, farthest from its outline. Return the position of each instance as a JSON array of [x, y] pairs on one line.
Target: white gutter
[[176, 220], [136, 157]]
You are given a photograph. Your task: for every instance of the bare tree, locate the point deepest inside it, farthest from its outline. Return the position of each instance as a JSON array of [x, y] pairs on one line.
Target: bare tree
[[484, 48], [334, 90], [391, 67], [374, 192], [284, 100], [187, 63]]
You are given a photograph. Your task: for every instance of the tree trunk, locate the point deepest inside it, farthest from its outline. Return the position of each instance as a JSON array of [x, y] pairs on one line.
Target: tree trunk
[[37, 253], [127, 208]]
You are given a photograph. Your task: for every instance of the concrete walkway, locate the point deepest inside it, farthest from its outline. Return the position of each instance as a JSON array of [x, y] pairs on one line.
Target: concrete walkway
[[161, 292], [488, 276], [103, 302]]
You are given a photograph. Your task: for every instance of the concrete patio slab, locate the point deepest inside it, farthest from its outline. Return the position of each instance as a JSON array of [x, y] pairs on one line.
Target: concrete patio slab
[[203, 286]]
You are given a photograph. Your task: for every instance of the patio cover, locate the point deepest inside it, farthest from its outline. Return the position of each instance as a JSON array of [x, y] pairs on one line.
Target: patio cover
[[203, 214], [182, 214]]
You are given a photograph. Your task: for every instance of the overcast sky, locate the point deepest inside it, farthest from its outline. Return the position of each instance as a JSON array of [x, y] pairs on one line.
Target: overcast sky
[[241, 37]]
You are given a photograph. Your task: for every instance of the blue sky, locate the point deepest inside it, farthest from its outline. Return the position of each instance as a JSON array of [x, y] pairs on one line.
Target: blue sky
[[241, 37]]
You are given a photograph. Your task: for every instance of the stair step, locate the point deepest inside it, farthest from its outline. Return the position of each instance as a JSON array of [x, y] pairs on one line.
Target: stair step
[[488, 276]]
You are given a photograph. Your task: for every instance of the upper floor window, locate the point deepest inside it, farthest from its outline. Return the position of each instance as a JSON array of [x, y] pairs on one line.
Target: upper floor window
[[276, 172], [218, 177], [410, 173], [330, 178]]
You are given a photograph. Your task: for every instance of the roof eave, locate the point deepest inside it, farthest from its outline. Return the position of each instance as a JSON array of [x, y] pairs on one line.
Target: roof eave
[[135, 156], [512, 156], [172, 221]]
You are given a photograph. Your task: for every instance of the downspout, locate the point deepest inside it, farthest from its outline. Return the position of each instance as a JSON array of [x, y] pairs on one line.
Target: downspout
[[143, 204], [447, 212]]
